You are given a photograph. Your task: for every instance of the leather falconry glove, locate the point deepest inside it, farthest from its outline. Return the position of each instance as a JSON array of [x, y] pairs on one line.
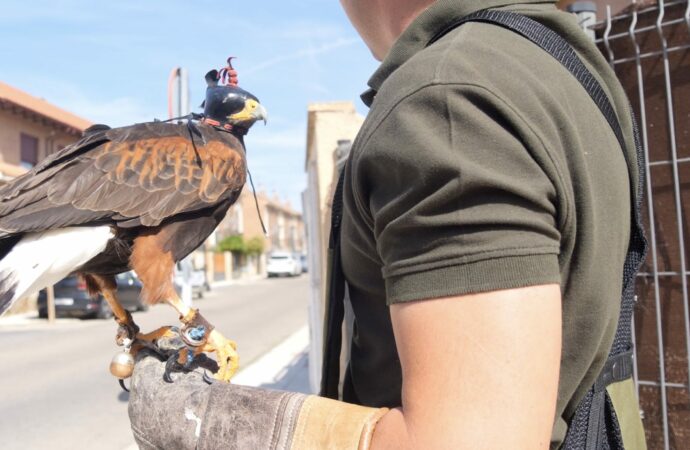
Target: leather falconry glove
[[192, 414]]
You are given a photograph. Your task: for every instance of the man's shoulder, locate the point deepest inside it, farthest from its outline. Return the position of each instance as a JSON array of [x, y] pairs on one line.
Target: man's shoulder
[[475, 54]]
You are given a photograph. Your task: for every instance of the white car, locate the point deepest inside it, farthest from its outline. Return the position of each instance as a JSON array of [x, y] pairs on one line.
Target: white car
[[283, 263]]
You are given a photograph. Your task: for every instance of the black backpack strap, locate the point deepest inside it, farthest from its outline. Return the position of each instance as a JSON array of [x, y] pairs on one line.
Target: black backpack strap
[[594, 424], [335, 307]]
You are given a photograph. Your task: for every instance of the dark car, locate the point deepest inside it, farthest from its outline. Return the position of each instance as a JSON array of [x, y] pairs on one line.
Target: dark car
[[73, 300]]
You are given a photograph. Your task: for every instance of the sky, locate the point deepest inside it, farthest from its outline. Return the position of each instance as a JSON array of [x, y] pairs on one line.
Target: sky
[[109, 62]]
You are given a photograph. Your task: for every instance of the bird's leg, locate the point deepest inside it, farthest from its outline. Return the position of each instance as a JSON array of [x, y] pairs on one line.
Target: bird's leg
[[107, 286], [155, 265], [127, 331], [200, 336]]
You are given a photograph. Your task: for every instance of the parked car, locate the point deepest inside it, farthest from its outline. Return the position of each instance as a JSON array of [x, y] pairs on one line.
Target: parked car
[[197, 278], [73, 300], [283, 264]]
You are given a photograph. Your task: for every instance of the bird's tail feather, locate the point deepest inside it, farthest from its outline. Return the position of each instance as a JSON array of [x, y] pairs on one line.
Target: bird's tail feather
[[7, 285], [42, 259], [7, 289]]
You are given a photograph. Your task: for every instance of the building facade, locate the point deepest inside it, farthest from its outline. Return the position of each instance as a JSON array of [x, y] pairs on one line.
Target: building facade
[[331, 127], [31, 129], [284, 232]]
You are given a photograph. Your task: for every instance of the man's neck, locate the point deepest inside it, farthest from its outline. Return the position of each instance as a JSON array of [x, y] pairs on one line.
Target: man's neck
[[399, 15]]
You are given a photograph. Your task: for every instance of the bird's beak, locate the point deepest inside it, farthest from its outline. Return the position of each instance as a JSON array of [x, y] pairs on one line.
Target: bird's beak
[[252, 112], [260, 113]]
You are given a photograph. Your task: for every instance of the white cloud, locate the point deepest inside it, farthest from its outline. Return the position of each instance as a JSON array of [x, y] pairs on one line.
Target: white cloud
[[309, 52]]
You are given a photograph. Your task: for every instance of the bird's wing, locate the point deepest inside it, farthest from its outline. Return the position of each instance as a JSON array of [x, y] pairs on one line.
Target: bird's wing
[[45, 169], [134, 175]]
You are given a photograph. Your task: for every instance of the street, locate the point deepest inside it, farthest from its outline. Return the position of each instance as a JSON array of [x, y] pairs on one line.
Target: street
[[56, 391]]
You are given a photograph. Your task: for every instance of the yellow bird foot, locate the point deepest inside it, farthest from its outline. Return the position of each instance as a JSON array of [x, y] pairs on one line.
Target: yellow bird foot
[[226, 355]]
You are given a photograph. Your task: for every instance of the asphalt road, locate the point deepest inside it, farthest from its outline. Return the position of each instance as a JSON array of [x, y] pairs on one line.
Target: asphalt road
[[55, 389]]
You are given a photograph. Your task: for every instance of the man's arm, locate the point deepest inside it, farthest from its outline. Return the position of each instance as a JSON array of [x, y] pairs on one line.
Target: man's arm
[[479, 371]]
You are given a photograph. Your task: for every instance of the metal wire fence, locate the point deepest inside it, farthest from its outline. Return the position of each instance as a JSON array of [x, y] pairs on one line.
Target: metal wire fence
[[649, 48]]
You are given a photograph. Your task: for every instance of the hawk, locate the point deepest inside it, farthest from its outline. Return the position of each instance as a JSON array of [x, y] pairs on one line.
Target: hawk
[[140, 198]]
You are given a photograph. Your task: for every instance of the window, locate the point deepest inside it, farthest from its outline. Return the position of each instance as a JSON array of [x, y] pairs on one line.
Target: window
[[28, 151]]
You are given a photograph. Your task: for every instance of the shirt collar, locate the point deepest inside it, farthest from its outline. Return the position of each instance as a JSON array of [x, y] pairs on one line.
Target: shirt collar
[[422, 29]]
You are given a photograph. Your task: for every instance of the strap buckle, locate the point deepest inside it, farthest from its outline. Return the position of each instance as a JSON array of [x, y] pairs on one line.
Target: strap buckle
[[617, 368]]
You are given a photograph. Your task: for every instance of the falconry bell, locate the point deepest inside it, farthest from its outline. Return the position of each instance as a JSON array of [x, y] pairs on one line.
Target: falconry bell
[[122, 365]]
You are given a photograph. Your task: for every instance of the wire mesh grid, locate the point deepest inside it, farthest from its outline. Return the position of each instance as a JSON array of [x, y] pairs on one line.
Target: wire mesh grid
[[649, 48]]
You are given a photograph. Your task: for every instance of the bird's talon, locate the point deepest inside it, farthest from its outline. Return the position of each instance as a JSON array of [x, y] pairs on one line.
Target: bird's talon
[[166, 377], [208, 379], [122, 385], [170, 365]]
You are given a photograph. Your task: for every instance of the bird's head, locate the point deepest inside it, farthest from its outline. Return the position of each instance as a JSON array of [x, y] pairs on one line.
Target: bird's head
[[228, 104]]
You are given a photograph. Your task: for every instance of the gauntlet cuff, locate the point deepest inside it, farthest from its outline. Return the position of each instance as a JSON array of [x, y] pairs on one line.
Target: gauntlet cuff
[[328, 424]]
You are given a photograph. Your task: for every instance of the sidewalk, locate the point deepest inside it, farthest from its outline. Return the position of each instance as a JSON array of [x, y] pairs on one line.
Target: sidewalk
[[286, 367]]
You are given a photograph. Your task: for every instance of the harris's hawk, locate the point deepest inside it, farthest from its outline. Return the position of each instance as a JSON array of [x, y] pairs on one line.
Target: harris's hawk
[[140, 197]]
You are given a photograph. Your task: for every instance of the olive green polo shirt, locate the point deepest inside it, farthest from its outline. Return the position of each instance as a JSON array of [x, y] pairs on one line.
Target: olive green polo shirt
[[484, 165]]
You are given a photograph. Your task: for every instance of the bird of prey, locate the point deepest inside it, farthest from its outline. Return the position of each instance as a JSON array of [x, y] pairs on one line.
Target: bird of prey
[[140, 198]]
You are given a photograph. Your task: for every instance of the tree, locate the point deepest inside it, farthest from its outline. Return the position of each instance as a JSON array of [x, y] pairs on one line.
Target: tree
[[234, 244], [255, 246]]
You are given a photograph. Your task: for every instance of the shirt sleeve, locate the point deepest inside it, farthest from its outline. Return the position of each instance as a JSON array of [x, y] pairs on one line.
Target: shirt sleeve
[[457, 200]]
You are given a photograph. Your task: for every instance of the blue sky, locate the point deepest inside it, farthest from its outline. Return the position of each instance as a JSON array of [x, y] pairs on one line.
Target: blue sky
[[109, 62]]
